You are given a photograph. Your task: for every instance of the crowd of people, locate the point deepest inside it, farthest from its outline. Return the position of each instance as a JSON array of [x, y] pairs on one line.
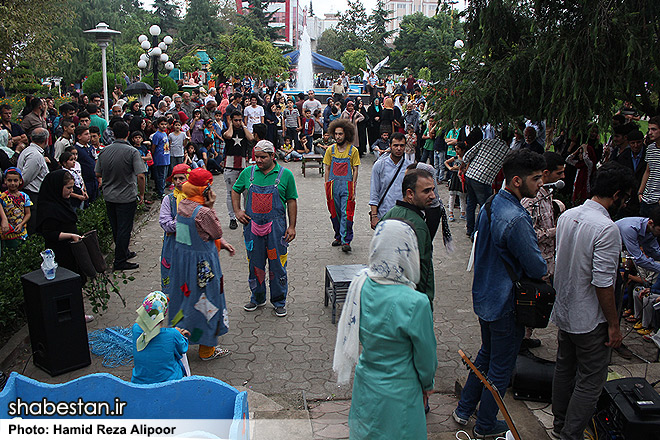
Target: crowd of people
[[58, 161]]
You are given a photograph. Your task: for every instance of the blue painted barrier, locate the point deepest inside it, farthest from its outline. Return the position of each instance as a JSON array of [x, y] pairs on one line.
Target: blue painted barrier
[[194, 397]]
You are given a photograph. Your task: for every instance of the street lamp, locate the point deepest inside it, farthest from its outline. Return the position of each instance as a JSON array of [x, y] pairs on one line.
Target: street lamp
[[103, 35], [155, 52]]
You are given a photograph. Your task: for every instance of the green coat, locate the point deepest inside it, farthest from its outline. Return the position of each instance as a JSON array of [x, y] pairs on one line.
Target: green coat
[[398, 361], [410, 213]]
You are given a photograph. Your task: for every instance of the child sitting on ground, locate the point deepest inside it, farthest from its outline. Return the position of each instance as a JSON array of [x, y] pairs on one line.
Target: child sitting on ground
[[157, 351], [16, 207], [287, 153]]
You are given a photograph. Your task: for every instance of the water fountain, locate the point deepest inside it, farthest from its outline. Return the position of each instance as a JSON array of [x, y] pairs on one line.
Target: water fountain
[[305, 70]]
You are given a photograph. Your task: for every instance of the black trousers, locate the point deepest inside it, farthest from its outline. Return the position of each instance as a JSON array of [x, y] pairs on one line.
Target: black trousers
[[121, 217], [32, 222]]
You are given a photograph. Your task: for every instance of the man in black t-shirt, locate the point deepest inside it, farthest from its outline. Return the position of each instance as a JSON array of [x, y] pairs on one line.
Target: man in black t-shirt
[[234, 106], [237, 146]]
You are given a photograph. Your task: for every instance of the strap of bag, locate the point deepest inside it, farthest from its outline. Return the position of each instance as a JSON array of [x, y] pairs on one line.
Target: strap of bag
[[390, 185], [507, 266]]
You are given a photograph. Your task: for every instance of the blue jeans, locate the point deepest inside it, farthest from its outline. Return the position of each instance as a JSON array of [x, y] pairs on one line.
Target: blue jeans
[[426, 155], [500, 342], [159, 177], [439, 164], [477, 194]]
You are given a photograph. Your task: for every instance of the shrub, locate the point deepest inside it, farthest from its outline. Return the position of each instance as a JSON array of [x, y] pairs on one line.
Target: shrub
[[166, 83], [94, 83], [27, 258]]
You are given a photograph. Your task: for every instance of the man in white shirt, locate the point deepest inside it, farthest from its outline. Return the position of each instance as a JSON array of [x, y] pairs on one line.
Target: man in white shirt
[[588, 249], [33, 166], [312, 103], [254, 114]]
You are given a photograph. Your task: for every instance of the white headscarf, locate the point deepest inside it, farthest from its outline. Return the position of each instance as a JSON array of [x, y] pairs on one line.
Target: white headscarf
[[393, 259]]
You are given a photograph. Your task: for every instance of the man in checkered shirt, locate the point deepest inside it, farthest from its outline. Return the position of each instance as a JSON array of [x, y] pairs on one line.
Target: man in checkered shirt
[[484, 162]]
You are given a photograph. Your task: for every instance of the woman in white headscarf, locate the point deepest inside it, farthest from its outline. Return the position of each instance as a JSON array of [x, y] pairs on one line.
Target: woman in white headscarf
[[383, 311]]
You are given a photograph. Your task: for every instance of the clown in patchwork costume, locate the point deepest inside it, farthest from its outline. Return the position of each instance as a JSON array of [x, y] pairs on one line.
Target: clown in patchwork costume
[[197, 297]]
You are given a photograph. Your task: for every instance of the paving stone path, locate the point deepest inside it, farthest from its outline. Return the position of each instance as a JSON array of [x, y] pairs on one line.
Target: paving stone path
[[290, 355]]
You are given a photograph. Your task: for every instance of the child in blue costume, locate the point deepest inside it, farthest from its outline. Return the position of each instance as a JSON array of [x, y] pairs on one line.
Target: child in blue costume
[[157, 351], [167, 220]]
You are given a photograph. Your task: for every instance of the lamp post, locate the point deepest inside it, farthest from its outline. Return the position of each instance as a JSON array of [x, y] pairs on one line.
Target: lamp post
[[155, 52], [103, 35]]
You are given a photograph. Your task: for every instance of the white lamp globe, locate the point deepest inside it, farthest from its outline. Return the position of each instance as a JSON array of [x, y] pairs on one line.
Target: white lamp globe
[[145, 45], [164, 57], [155, 52], [154, 30], [169, 65], [459, 44], [142, 64], [163, 46], [168, 40], [144, 57], [142, 38]]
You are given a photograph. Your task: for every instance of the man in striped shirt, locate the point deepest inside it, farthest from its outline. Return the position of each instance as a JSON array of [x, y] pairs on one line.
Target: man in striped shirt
[[649, 190]]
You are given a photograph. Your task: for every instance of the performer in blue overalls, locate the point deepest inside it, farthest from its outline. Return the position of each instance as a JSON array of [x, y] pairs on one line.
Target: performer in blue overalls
[[269, 188], [341, 163]]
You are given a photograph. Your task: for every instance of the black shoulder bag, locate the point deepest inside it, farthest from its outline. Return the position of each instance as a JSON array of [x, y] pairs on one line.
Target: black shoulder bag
[[533, 299]]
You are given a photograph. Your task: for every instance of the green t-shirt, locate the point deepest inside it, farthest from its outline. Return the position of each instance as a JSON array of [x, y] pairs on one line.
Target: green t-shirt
[[286, 187], [428, 144]]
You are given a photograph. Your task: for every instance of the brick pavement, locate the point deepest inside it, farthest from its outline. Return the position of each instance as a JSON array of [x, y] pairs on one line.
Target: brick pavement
[[279, 356]]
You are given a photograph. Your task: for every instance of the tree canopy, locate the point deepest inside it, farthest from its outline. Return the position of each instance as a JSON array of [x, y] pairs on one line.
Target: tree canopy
[[567, 62], [357, 30], [427, 42], [243, 55]]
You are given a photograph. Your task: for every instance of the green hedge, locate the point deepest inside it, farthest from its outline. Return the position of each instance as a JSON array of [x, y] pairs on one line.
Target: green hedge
[[94, 83], [27, 258], [167, 84]]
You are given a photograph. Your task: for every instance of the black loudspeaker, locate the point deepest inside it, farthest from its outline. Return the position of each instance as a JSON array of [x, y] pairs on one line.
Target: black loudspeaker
[[532, 379], [56, 320], [628, 409]]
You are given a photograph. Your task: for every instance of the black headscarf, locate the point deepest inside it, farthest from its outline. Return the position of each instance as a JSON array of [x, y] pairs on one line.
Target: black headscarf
[[135, 124], [51, 204]]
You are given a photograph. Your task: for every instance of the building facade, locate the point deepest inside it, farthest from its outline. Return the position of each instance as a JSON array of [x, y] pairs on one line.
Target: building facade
[[401, 8]]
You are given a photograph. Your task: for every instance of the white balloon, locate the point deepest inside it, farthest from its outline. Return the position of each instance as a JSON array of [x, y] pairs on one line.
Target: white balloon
[[164, 57], [163, 46], [145, 45], [155, 52], [169, 65], [459, 44], [142, 38], [154, 30], [142, 64], [168, 40]]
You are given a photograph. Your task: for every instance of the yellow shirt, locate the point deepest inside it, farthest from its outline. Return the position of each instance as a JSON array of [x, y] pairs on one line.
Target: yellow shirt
[[355, 156]]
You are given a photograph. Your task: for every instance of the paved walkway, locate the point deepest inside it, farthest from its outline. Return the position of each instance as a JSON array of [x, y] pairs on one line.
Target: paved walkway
[[287, 356]]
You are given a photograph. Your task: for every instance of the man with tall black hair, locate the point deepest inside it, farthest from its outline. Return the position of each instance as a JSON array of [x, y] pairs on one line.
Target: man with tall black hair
[[505, 237], [588, 248]]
